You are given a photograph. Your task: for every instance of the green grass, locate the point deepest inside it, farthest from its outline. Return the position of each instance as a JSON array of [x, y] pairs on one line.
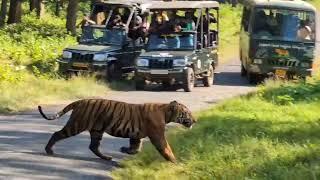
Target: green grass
[[230, 19], [270, 134], [316, 3], [30, 91]]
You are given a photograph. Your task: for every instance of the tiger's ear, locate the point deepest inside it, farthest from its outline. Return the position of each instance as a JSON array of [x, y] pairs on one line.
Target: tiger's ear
[[173, 105]]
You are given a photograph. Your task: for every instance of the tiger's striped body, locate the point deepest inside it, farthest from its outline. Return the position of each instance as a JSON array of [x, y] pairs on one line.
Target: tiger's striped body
[[120, 119]]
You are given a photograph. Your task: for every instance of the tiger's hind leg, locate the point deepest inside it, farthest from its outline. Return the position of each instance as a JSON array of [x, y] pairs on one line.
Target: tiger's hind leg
[[134, 148], [58, 136], [96, 137], [70, 129]]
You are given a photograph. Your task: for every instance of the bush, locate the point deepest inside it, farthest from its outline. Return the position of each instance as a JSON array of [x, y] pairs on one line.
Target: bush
[[34, 41]]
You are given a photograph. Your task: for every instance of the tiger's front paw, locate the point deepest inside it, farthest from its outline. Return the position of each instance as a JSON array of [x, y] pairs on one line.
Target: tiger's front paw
[[128, 150]]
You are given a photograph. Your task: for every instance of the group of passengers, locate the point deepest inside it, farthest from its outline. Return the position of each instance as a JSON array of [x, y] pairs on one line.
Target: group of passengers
[[288, 26], [162, 22]]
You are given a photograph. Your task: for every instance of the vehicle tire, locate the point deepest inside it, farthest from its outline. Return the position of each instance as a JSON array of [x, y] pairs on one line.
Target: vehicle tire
[[140, 84], [70, 75], [252, 78], [189, 80], [112, 72], [208, 80], [243, 71]]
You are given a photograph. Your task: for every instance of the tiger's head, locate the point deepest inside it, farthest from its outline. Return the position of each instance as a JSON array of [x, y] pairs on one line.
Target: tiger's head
[[181, 114]]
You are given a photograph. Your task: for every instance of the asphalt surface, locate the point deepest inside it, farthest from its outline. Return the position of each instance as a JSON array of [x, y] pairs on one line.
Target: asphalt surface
[[23, 136]]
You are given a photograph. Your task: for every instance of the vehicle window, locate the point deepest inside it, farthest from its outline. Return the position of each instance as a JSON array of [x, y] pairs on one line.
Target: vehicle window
[[102, 36], [172, 41], [281, 24], [246, 18]]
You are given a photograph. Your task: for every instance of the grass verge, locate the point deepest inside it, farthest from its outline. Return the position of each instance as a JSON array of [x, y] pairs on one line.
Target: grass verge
[[270, 134], [31, 91], [230, 19]]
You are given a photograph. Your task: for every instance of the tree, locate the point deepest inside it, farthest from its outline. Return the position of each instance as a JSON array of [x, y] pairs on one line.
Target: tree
[[72, 16], [40, 8], [15, 11], [3, 12], [32, 4]]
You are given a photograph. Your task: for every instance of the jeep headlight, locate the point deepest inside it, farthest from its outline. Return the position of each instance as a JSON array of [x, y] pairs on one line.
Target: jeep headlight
[[257, 61], [305, 65], [67, 54], [143, 62], [180, 62], [100, 57]]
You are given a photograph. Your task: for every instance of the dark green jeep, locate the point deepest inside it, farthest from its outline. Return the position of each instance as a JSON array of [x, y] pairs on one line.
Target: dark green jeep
[[104, 47], [182, 44], [278, 38]]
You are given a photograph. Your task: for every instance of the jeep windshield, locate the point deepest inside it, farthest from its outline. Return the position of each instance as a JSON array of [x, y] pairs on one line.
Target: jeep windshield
[[284, 25], [102, 36], [171, 42]]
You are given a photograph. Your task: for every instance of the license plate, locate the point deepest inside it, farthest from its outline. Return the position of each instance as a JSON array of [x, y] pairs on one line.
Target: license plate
[[159, 71], [281, 73], [80, 65]]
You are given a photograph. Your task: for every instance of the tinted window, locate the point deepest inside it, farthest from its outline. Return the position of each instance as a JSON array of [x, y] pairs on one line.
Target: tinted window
[[282, 24]]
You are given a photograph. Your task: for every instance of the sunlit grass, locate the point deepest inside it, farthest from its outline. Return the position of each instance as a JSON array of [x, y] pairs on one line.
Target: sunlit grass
[[31, 91], [270, 134]]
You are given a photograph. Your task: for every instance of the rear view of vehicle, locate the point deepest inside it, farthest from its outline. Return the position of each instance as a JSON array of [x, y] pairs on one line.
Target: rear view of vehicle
[[277, 39]]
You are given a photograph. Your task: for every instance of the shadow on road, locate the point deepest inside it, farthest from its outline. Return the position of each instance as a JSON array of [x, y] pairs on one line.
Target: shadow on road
[[22, 153], [230, 79]]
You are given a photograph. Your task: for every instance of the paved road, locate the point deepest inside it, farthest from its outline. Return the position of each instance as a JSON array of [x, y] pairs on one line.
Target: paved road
[[23, 137]]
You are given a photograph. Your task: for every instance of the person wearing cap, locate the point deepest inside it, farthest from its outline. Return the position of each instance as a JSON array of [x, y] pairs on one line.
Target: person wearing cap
[[304, 32]]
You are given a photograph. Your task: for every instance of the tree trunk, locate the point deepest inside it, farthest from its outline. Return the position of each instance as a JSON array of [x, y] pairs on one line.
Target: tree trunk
[[57, 8], [72, 16], [15, 11], [32, 5], [92, 3], [3, 12], [40, 8]]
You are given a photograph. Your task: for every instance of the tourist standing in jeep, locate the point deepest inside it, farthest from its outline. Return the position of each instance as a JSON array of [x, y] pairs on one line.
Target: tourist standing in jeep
[[105, 46], [277, 38], [182, 44]]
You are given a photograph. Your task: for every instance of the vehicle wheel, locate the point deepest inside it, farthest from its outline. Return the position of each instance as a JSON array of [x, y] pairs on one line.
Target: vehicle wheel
[[70, 75], [189, 80], [243, 71], [208, 80], [252, 78], [113, 73], [140, 84]]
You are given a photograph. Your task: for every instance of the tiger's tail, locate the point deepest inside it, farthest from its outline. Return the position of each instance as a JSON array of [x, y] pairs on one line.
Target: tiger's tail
[[59, 114]]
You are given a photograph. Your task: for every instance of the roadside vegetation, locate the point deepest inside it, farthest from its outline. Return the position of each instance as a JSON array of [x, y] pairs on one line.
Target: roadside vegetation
[[28, 74], [29, 50], [230, 19], [316, 3], [269, 134]]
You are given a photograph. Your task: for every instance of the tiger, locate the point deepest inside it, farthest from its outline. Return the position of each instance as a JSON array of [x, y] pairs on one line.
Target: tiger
[[121, 119]]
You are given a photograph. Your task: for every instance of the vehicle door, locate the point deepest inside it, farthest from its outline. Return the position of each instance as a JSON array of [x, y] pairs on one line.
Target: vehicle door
[[245, 35], [208, 21]]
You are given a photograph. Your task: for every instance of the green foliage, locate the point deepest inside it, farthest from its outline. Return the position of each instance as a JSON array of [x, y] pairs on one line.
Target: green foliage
[[34, 41], [230, 19], [27, 94], [270, 134]]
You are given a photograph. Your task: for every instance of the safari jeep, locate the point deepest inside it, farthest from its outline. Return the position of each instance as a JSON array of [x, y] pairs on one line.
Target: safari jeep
[[278, 39], [182, 45], [105, 49]]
